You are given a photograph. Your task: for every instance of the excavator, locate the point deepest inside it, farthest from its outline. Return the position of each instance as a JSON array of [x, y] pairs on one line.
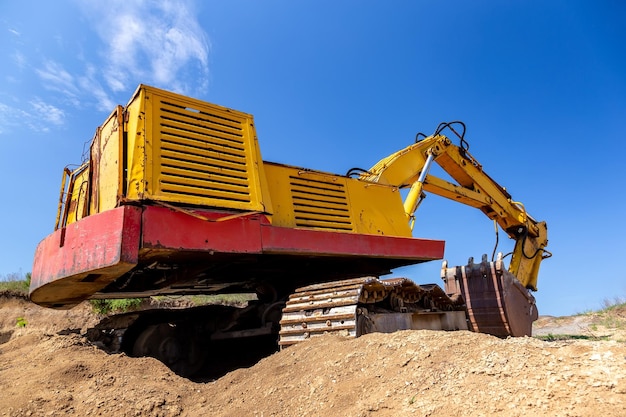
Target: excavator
[[174, 199]]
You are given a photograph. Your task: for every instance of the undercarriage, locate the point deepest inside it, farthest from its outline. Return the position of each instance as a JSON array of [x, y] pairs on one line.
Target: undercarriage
[[196, 341]]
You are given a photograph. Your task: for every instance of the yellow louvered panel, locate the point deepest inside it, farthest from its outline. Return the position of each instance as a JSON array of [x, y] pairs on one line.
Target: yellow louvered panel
[[233, 177], [185, 116], [314, 206], [172, 156], [189, 136], [304, 219], [200, 154], [316, 192], [315, 198], [196, 144], [190, 190], [320, 204]]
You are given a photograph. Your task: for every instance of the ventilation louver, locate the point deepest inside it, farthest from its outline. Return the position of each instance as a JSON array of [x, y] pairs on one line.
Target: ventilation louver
[[320, 204]]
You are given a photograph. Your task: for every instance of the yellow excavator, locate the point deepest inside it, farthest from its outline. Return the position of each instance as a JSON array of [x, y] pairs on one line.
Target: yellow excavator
[[175, 199]]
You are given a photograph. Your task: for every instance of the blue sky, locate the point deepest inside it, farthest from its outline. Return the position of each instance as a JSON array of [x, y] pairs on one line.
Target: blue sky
[[540, 85]]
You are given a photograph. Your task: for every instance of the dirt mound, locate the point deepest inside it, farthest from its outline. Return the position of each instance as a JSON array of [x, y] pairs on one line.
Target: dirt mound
[[48, 368]]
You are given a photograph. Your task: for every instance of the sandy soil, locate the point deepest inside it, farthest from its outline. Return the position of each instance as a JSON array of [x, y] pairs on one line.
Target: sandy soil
[[47, 368]]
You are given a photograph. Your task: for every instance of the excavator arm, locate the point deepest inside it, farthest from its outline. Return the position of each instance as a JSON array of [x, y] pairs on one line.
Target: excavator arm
[[410, 167]]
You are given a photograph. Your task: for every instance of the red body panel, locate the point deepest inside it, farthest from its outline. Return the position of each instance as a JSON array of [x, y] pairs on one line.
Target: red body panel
[[300, 241], [84, 257], [164, 228], [74, 263], [167, 229]]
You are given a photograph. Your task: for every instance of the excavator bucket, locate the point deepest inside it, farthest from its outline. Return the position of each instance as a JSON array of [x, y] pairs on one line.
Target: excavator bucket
[[496, 302]]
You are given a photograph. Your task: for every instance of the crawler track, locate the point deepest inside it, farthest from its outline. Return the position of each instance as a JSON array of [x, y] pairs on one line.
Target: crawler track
[[363, 305]]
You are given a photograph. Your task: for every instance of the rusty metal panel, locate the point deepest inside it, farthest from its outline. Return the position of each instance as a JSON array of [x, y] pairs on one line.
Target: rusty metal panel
[[389, 322], [106, 163], [436, 320], [75, 203], [497, 303], [440, 320]]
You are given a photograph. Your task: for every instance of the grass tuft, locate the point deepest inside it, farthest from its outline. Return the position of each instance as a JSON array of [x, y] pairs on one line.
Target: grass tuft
[[560, 337], [121, 305], [15, 285]]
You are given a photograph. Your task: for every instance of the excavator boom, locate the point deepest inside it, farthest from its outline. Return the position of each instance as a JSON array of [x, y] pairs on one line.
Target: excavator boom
[[410, 167]]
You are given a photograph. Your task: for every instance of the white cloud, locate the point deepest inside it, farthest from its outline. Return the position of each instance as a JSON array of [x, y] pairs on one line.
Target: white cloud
[[76, 89], [156, 42], [19, 59], [89, 83], [5, 113], [39, 116], [47, 112], [56, 78]]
